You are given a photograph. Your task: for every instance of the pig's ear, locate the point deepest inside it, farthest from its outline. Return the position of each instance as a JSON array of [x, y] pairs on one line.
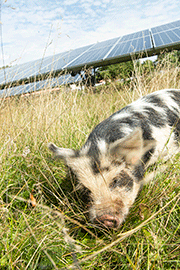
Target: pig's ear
[[62, 153], [131, 147]]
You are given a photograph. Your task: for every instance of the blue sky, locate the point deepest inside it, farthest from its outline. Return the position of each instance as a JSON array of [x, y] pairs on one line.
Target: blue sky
[[32, 29]]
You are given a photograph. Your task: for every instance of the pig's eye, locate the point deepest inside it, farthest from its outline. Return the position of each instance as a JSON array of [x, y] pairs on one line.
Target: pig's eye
[[123, 179], [116, 182]]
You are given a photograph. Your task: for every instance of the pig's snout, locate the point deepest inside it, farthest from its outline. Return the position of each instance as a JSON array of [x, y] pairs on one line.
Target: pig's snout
[[108, 220]]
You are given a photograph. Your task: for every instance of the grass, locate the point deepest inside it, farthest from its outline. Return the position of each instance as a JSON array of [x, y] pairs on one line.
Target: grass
[[55, 233]]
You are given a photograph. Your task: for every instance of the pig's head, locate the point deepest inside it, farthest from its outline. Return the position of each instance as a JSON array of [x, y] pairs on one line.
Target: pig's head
[[112, 176]]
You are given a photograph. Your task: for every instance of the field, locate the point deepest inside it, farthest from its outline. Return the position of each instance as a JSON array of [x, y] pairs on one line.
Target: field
[[43, 224]]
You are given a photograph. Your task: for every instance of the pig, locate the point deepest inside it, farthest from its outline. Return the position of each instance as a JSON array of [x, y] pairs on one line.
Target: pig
[[112, 163]]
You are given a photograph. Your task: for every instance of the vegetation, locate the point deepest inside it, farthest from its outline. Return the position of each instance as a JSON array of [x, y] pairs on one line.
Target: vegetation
[[125, 71], [43, 223], [121, 71]]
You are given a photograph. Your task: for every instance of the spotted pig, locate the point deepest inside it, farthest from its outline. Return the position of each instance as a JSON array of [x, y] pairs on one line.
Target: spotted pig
[[112, 163]]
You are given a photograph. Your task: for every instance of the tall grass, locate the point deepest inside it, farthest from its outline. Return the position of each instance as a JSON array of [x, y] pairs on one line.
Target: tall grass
[[43, 223]]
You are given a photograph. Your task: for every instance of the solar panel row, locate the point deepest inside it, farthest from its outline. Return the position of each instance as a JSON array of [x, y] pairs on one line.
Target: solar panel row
[[98, 54], [39, 85], [42, 66], [88, 54]]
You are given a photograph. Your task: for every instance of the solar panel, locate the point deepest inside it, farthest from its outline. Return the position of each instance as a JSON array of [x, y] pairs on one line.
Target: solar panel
[[41, 66], [132, 43], [95, 53], [39, 85], [60, 62], [107, 52], [27, 70], [114, 48], [166, 35]]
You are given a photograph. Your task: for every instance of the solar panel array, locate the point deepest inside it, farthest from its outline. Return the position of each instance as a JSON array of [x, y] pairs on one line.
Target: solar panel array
[[98, 54], [39, 85]]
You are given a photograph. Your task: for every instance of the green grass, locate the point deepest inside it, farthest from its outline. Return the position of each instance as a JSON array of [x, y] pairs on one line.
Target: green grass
[[56, 234]]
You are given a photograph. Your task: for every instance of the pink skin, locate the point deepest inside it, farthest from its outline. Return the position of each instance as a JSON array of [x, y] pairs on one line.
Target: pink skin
[[108, 221]]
